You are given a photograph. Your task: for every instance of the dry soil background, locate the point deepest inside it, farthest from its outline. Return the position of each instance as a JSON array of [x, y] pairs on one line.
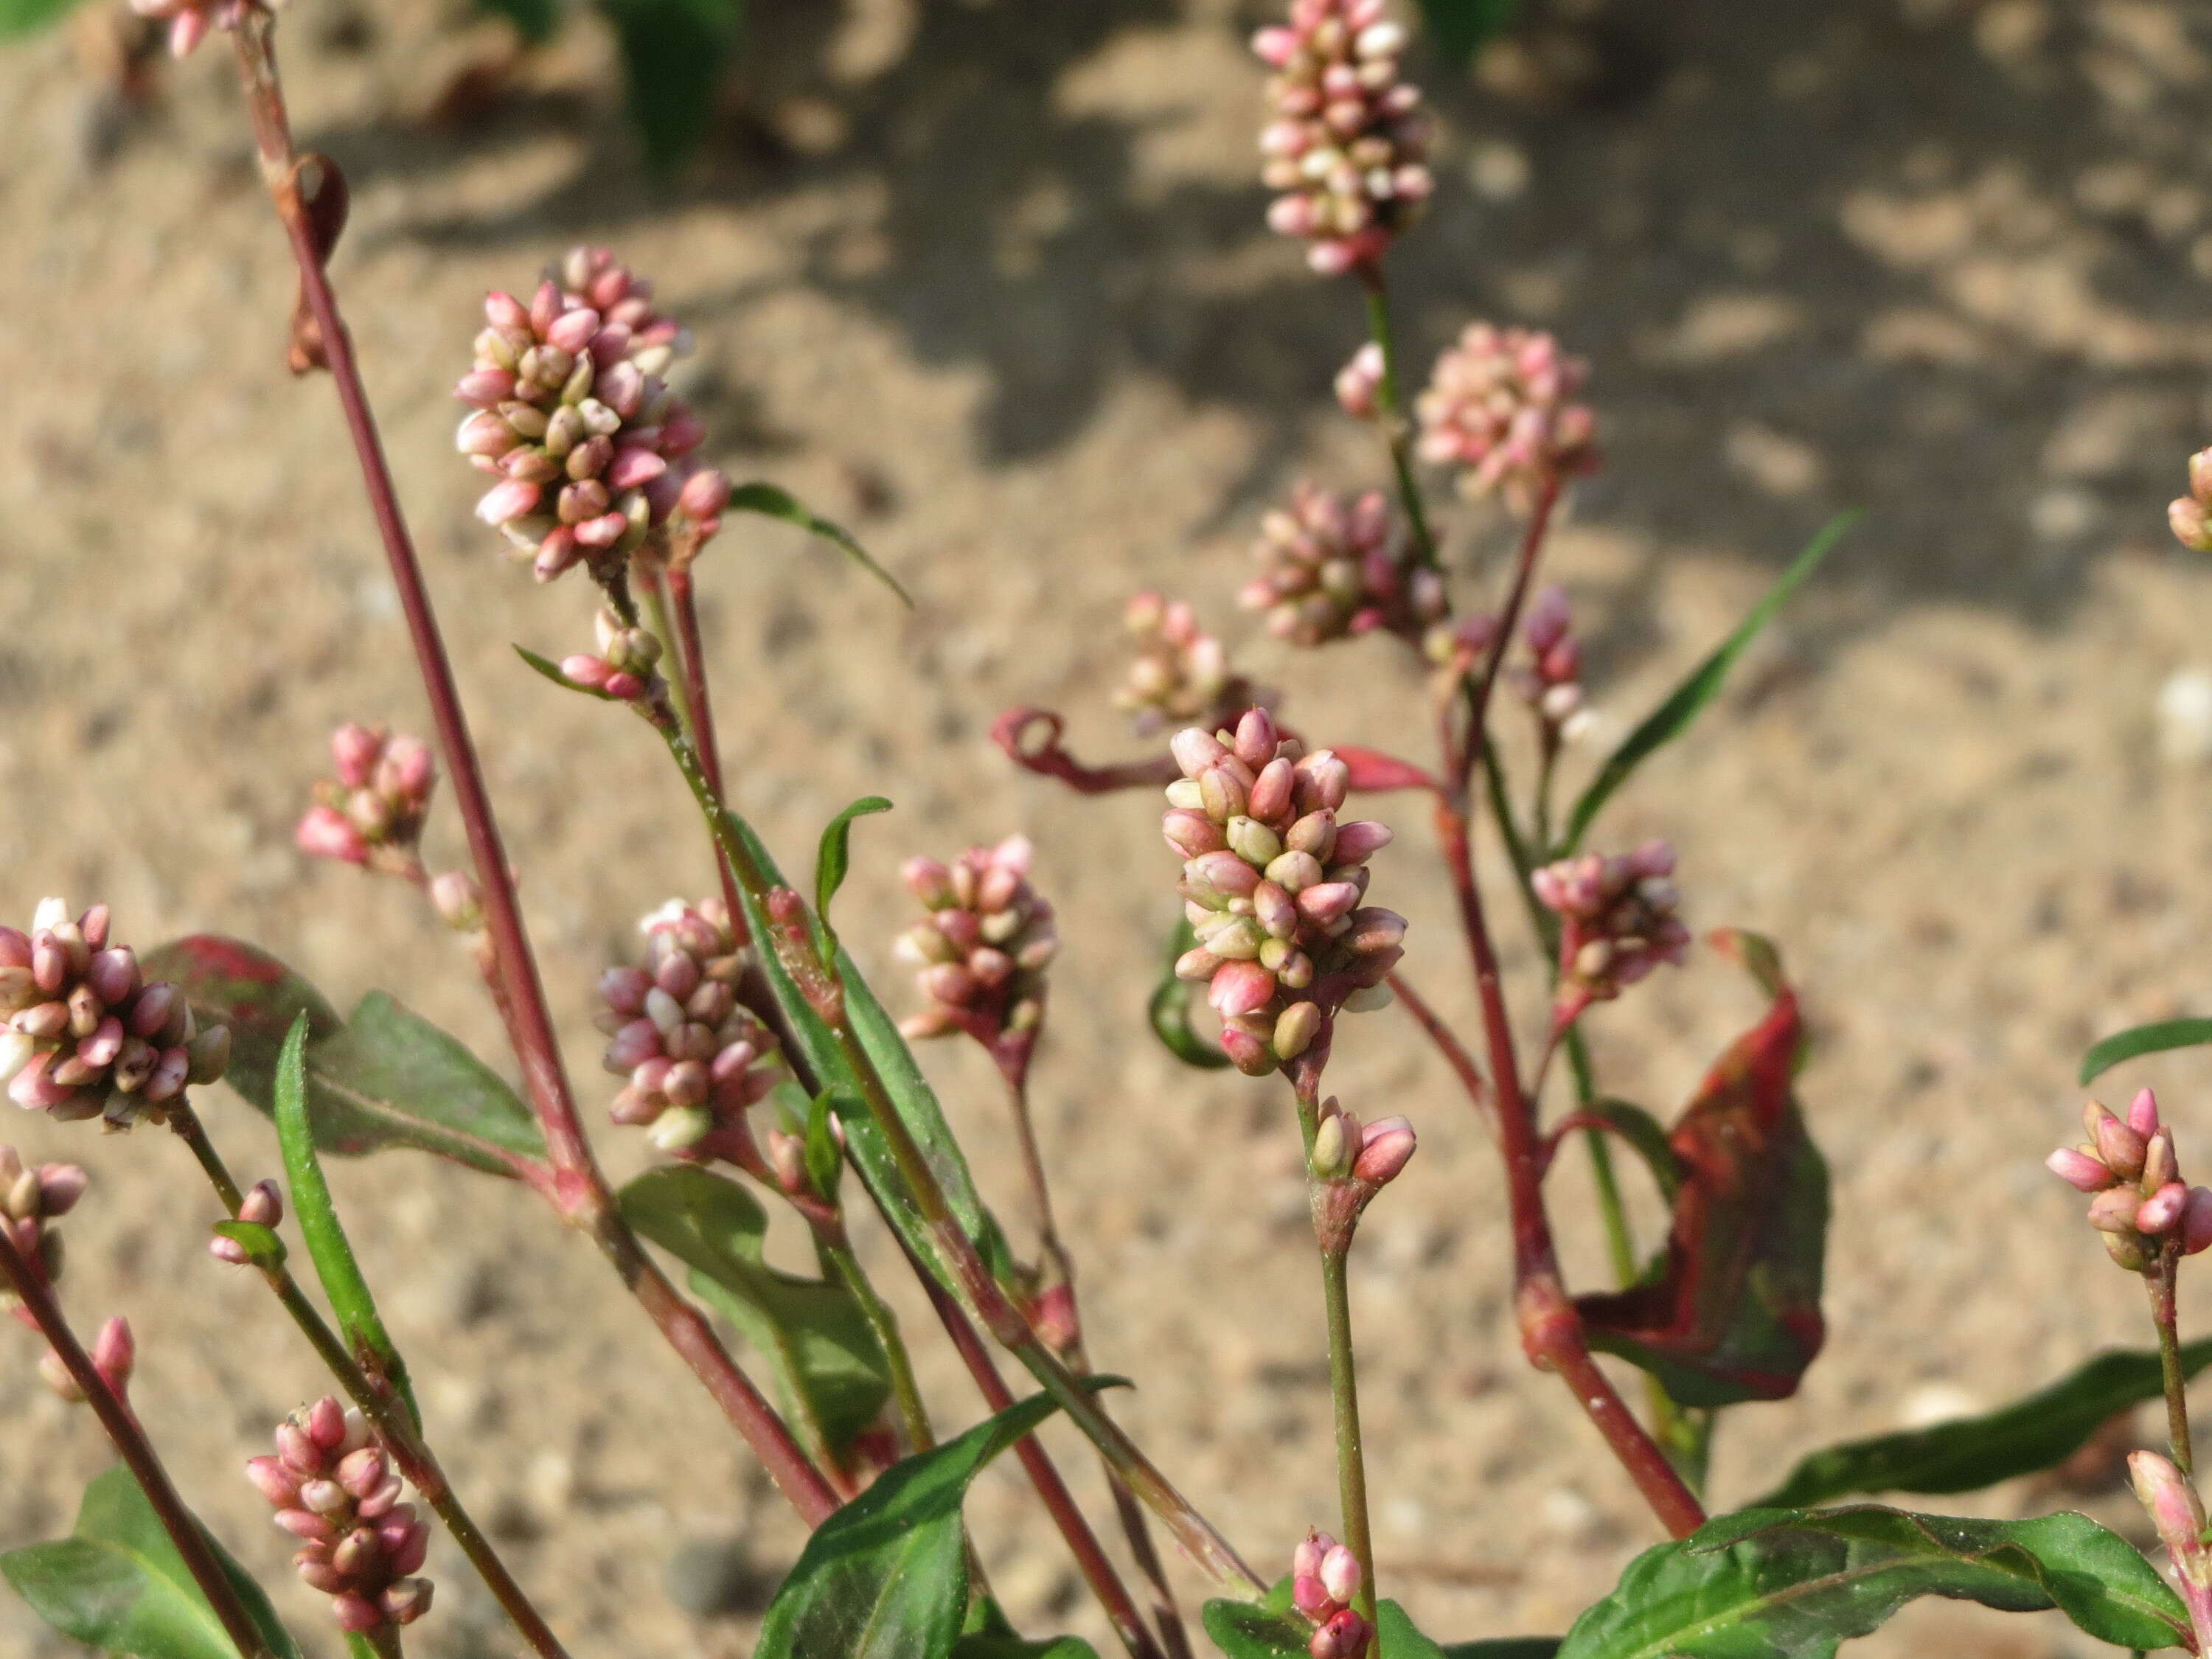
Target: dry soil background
[[988, 281]]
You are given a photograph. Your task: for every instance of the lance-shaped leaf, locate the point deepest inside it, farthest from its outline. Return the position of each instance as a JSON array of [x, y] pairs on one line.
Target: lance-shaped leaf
[[342, 1282], [1735, 1314], [777, 502], [385, 1076], [1168, 1008], [1965, 1454], [1673, 717], [117, 1584], [886, 1576], [836, 859], [2138, 1040], [830, 1368], [1792, 1585], [910, 1095], [1504, 1647]]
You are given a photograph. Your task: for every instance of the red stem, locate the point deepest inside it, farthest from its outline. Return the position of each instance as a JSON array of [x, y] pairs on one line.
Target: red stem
[[1551, 1330], [145, 1464], [1082, 1542], [691, 654], [1012, 1055], [581, 1194]]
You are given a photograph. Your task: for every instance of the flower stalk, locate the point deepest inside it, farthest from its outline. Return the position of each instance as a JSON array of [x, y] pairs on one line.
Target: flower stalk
[[29, 1286]]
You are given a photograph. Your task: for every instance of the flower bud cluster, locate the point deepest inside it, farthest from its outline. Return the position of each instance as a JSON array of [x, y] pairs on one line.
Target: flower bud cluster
[[593, 279], [190, 21], [581, 435], [2191, 516], [87, 1036], [1272, 885], [1551, 683], [1618, 920], [1345, 1150], [1359, 383], [1324, 1577], [625, 664], [265, 1207], [376, 806], [981, 956], [694, 1059], [115, 1356], [1347, 144], [31, 1201], [1331, 567], [1181, 673], [335, 1490], [2138, 1201], [1497, 407]]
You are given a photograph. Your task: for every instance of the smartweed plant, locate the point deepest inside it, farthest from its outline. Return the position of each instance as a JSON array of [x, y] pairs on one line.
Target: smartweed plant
[[769, 1075]]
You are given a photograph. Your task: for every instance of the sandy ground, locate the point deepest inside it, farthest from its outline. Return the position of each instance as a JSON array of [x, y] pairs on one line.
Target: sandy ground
[[987, 281]]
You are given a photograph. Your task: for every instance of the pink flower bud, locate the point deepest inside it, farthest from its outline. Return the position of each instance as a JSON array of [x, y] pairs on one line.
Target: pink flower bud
[[1345, 1636], [1240, 987], [2142, 1114], [1309, 1596], [2162, 1208], [2079, 1170], [60, 1187], [2114, 1210], [1340, 1570], [115, 1355], [1305, 1561], [2174, 1508], [273, 1481], [1385, 1148], [705, 494], [326, 833], [1360, 840], [355, 1614], [2197, 1221], [263, 1206]]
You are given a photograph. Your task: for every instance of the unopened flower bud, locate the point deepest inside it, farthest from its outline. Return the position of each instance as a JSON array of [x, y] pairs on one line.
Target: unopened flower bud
[[1331, 1158], [2079, 1169], [1385, 1148]]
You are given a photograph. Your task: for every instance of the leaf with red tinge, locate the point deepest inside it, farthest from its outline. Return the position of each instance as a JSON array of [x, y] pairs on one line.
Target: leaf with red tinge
[[1734, 1313], [383, 1077]]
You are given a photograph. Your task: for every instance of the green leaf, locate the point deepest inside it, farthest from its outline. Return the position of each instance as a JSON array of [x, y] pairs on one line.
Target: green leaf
[[1461, 28], [830, 1368], [1645, 1135], [2139, 1040], [1013, 1647], [533, 19], [1734, 1312], [21, 16], [359, 1323], [1673, 717], [777, 502], [1790, 1584], [384, 1078], [1965, 1454], [1168, 1010], [673, 53], [117, 1584], [910, 1094], [1504, 1647], [836, 858], [886, 1576], [264, 1249]]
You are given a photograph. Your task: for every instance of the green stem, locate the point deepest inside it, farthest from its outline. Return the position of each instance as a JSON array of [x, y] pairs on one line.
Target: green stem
[[382, 1406], [1396, 429], [664, 629], [884, 1323], [1351, 1462], [963, 1262], [2159, 1283]]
